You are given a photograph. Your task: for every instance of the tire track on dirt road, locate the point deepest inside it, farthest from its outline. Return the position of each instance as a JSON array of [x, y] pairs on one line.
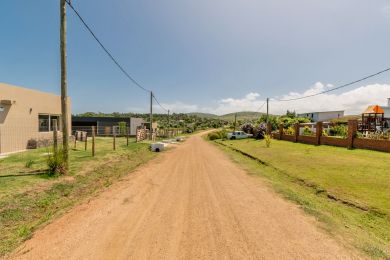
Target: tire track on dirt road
[[192, 202]]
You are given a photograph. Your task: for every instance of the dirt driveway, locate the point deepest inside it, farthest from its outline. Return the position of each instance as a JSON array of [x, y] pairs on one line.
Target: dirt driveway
[[191, 202]]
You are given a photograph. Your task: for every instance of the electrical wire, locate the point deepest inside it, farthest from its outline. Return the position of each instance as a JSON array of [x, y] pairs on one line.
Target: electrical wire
[[160, 104], [261, 106], [333, 89], [105, 49]]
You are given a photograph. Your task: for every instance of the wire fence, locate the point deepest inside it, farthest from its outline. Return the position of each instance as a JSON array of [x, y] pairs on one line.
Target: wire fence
[[24, 150]]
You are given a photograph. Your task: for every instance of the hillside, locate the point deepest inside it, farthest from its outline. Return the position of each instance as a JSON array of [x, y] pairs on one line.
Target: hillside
[[203, 115], [242, 116]]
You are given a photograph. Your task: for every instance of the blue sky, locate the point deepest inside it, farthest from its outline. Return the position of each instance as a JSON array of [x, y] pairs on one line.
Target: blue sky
[[204, 55]]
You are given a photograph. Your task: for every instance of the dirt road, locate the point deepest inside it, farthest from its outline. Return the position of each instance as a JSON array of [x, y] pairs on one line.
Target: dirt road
[[191, 202]]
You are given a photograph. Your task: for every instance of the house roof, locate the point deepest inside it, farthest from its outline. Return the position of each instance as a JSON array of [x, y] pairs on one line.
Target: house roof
[[375, 109]]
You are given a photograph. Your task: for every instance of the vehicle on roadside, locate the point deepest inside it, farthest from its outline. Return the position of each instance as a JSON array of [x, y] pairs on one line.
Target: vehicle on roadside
[[238, 135]]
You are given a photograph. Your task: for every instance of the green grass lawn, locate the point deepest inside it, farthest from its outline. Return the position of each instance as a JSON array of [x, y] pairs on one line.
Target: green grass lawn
[[27, 202], [348, 190]]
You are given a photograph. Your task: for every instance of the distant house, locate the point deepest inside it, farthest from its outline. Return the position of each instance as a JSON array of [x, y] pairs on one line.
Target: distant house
[[387, 109], [26, 118], [104, 125], [323, 116]]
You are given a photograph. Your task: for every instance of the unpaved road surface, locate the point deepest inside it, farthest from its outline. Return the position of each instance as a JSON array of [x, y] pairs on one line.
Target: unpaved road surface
[[191, 202]]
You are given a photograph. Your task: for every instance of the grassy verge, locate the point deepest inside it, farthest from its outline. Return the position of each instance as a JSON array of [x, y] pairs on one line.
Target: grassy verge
[[28, 202], [348, 191]]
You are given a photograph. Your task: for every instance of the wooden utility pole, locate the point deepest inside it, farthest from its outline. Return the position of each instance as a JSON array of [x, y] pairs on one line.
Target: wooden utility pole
[[267, 110], [55, 136], [64, 86], [93, 141], [235, 121], [168, 120], [151, 115]]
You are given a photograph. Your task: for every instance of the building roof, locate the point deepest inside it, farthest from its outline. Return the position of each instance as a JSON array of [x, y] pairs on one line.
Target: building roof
[[375, 109]]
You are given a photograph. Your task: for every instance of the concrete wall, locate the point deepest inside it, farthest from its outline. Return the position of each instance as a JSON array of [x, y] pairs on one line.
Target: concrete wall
[[19, 120], [134, 123]]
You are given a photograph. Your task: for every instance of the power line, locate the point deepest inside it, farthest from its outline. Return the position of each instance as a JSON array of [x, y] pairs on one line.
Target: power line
[[105, 49], [261, 106], [160, 104], [333, 89]]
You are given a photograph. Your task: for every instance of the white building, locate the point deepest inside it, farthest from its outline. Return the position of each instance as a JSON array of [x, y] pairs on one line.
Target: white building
[[387, 109], [323, 116]]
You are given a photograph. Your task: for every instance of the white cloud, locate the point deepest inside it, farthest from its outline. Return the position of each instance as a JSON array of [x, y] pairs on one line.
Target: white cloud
[[352, 101], [177, 107]]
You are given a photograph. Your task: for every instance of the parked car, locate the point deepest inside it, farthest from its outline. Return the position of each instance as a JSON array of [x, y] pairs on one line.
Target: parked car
[[238, 135]]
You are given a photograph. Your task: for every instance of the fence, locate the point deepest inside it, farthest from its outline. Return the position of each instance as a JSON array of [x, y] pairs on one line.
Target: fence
[[25, 144], [351, 140]]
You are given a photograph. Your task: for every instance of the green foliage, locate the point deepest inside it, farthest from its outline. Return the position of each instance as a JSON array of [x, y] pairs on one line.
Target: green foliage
[[291, 114], [56, 163], [29, 163], [267, 139], [287, 121], [289, 131], [339, 130], [217, 135], [213, 136], [122, 128], [307, 131]]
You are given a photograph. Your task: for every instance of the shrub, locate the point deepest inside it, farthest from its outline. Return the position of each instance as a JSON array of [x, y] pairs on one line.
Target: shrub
[[213, 136], [56, 163], [217, 135], [267, 139], [307, 131], [247, 128], [29, 163], [260, 131], [339, 130], [289, 131]]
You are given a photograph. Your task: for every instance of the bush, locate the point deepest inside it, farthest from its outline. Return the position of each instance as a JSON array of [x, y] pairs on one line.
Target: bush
[[29, 163], [213, 136], [56, 163], [267, 139], [247, 128], [289, 131], [307, 131], [260, 131], [339, 130], [217, 135]]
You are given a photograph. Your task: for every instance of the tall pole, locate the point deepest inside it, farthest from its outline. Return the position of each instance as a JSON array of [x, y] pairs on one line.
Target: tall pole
[[64, 86], [168, 120], [151, 114], [267, 110], [235, 121]]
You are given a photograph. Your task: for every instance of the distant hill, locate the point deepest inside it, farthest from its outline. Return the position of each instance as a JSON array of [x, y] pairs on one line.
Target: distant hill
[[203, 115], [242, 116]]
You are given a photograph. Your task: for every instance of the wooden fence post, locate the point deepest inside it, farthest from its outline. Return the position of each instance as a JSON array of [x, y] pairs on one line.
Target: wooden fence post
[[55, 136], [127, 136], [296, 134], [114, 137], [86, 140], [75, 140], [318, 133], [93, 141], [352, 131], [281, 129]]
